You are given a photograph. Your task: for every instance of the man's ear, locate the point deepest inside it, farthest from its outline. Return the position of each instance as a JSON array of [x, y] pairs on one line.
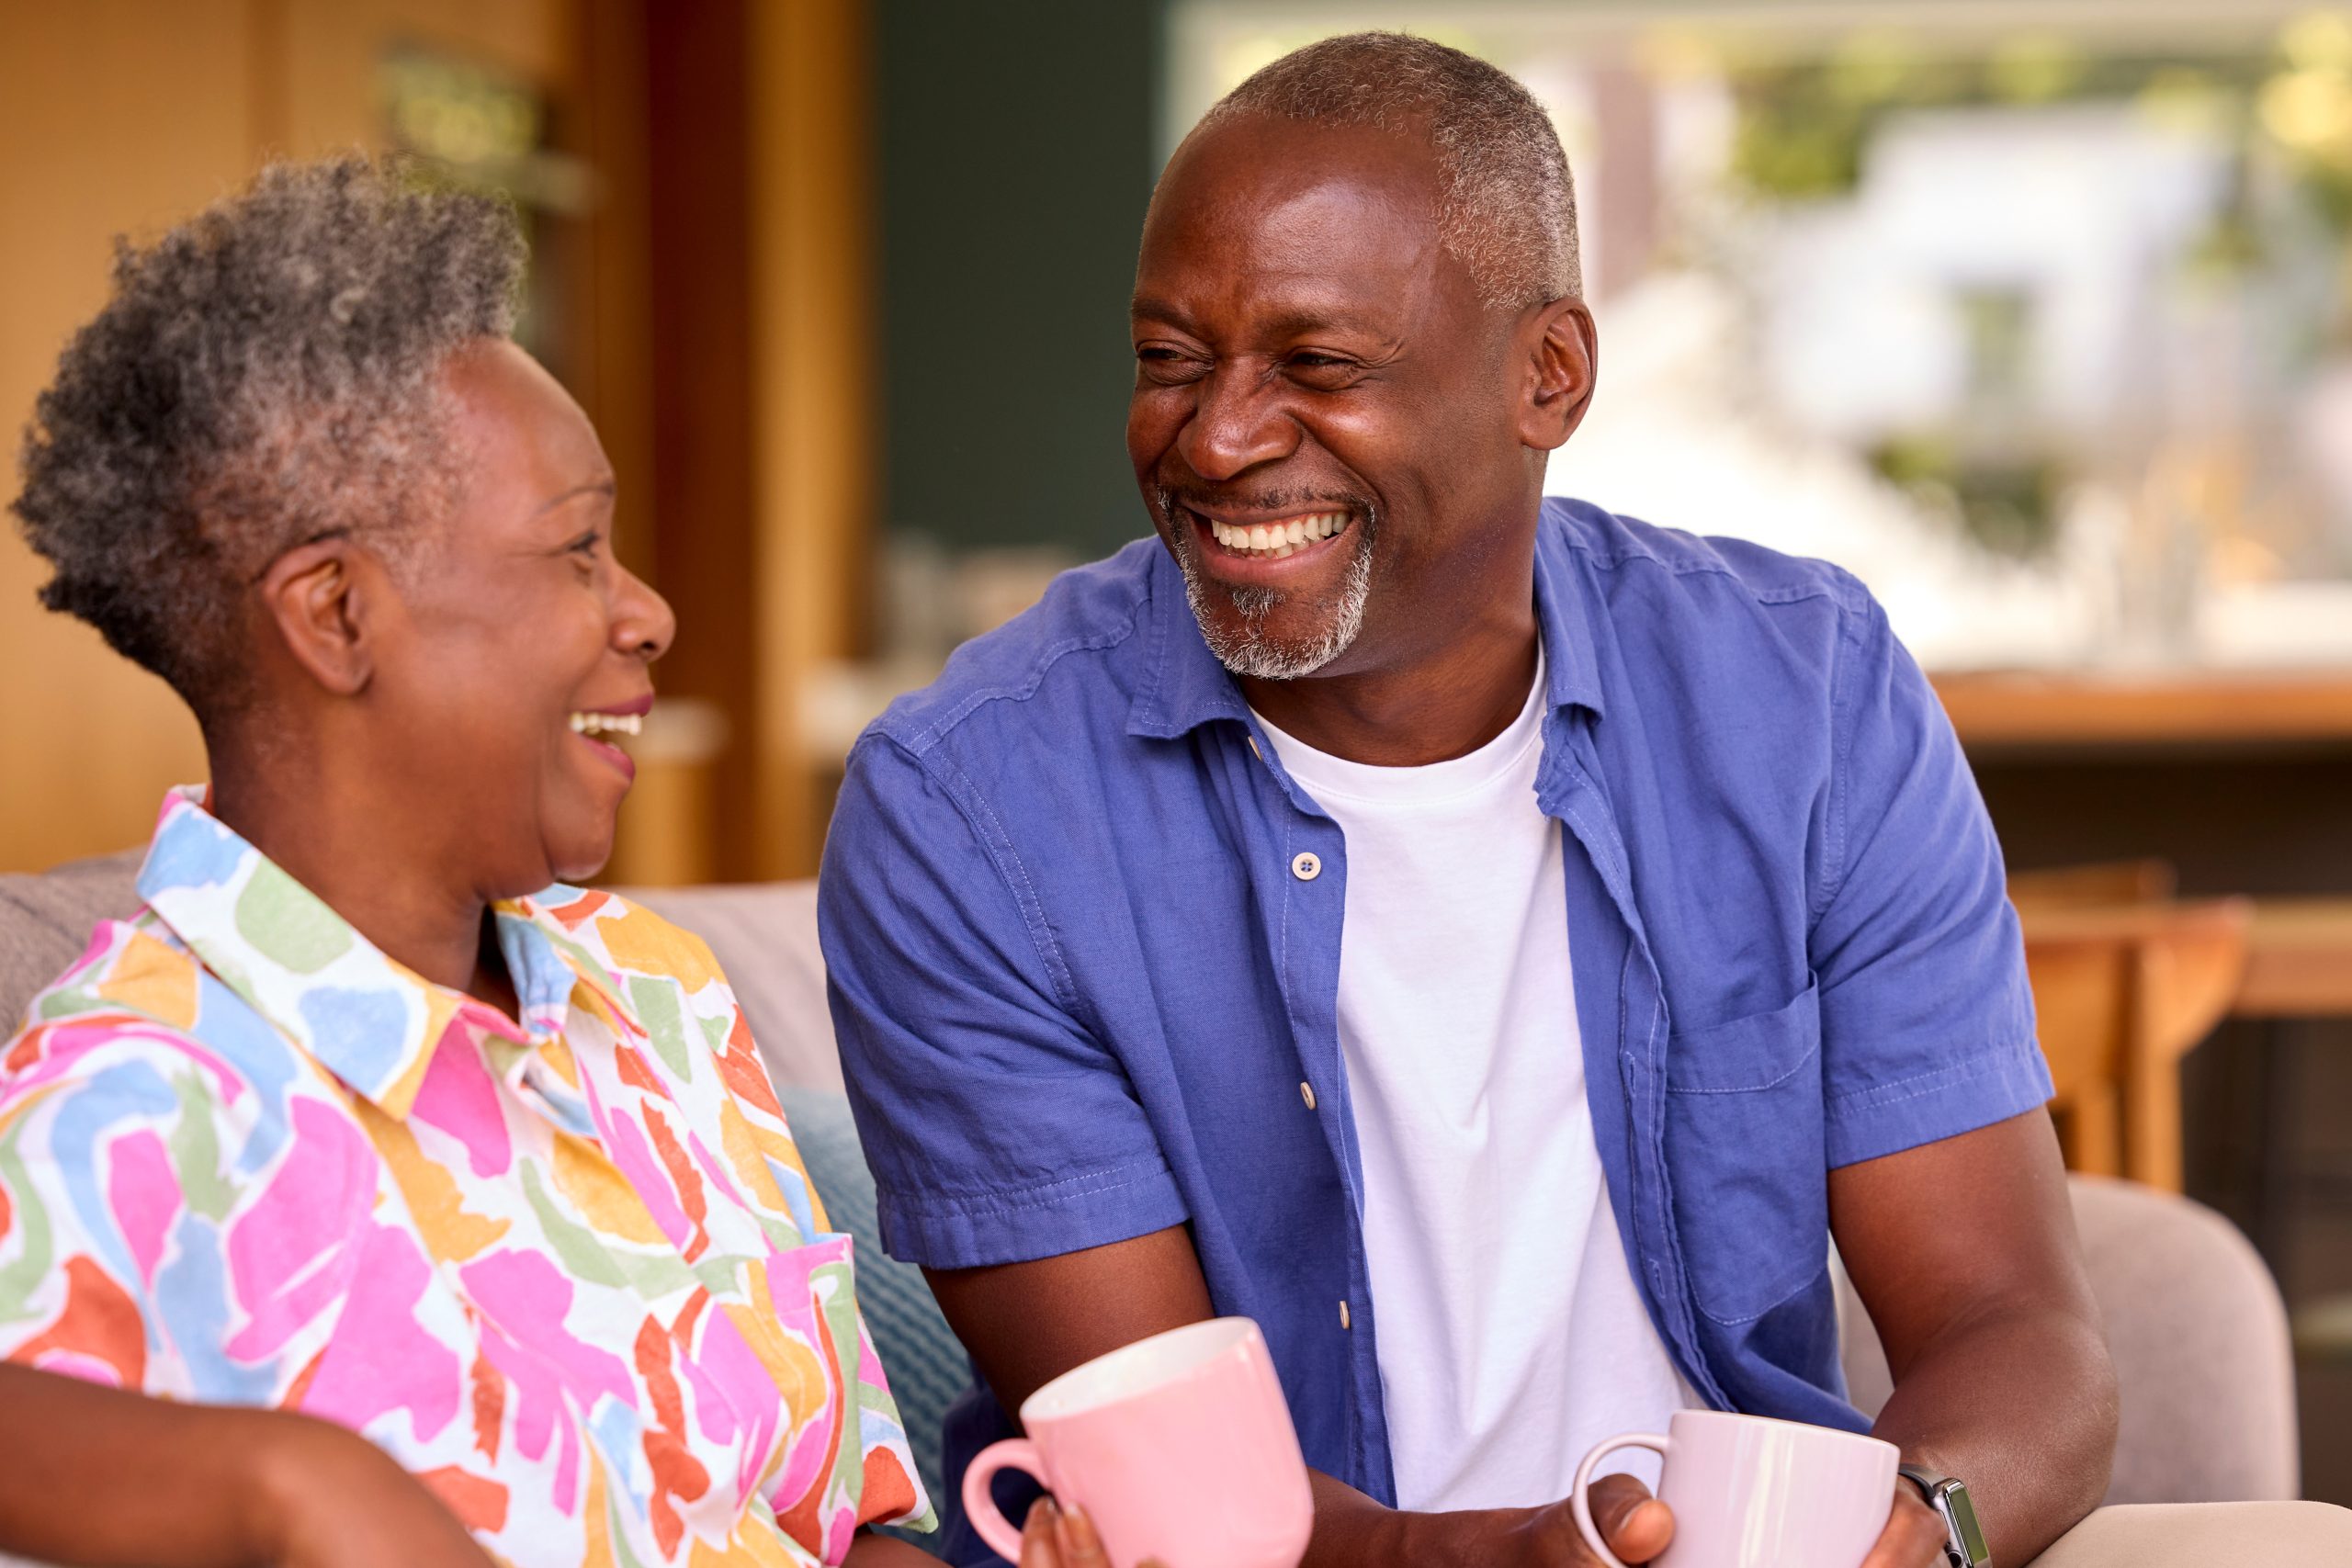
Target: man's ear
[[321, 597], [1562, 359]]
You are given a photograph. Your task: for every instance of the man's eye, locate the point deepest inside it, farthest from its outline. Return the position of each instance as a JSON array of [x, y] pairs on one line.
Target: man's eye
[[1318, 362], [1163, 363], [586, 544]]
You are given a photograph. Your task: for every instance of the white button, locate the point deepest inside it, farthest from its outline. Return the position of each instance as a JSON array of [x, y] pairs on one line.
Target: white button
[[1343, 1314], [1307, 865], [1306, 1093]]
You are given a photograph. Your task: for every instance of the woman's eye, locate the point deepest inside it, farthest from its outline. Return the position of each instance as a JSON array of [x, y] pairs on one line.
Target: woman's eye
[[586, 544]]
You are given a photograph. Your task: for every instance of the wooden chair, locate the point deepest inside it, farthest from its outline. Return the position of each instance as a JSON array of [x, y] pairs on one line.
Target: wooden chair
[[2123, 992]]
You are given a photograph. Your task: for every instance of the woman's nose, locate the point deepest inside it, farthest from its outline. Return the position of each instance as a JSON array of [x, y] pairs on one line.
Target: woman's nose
[[643, 623]]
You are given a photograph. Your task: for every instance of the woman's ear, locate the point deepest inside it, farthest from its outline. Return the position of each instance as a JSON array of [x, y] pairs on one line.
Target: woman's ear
[[1562, 359], [321, 597]]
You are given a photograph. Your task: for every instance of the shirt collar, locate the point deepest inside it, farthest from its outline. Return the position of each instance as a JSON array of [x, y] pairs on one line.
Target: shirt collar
[[366, 1017], [1564, 614], [1189, 688]]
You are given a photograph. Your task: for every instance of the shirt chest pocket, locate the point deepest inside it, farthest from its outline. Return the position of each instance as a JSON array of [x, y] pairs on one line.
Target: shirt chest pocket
[[1745, 1143]]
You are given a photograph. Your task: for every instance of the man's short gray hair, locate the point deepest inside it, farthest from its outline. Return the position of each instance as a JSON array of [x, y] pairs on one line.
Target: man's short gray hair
[[263, 375], [1508, 210]]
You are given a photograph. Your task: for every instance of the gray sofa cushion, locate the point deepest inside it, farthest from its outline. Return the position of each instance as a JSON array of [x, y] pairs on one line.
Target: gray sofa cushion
[[46, 920]]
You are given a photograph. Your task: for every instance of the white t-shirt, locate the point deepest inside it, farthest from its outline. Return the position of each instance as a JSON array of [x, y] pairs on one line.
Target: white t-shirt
[[1511, 1338]]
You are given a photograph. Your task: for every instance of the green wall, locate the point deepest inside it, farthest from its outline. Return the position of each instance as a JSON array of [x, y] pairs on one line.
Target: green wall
[[1017, 153]]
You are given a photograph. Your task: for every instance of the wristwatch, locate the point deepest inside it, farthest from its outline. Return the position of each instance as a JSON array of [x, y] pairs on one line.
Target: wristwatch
[[1948, 1495]]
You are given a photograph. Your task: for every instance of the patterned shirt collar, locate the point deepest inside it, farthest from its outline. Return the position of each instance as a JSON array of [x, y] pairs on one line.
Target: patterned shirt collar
[[368, 1019]]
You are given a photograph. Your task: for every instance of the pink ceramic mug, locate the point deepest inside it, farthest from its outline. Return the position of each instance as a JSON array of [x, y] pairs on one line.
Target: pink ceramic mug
[[1752, 1492], [1179, 1448]]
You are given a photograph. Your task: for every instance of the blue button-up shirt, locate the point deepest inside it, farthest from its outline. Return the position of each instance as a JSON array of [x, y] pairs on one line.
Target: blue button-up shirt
[[1080, 979]]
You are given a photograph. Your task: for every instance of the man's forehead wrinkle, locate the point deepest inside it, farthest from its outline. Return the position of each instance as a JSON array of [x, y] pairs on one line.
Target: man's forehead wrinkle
[[1260, 162], [1298, 192], [1340, 242], [1280, 300], [1308, 230]]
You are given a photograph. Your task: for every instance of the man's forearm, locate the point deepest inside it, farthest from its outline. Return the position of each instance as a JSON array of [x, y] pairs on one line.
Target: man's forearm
[[95, 1475], [1353, 1531], [2021, 1407]]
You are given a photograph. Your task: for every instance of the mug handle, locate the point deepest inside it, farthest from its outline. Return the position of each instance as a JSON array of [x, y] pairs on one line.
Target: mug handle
[[1578, 1498], [979, 1504]]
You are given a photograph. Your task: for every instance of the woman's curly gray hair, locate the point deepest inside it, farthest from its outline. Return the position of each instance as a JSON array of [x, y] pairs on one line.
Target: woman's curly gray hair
[[263, 375], [1508, 210]]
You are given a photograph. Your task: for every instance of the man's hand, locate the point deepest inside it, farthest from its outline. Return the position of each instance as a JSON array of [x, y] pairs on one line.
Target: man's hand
[[1634, 1525], [1638, 1528], [1914, 1537]]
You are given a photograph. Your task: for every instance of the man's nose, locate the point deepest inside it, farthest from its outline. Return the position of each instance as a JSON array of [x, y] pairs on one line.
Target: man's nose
[[1238, 425], [643, 623]]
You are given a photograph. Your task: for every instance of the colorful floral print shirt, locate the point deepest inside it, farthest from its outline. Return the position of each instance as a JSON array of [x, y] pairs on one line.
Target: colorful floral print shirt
[[572, 1273]]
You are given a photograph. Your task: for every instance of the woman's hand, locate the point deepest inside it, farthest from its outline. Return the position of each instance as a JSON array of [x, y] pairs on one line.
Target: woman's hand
[[1053, 1539]]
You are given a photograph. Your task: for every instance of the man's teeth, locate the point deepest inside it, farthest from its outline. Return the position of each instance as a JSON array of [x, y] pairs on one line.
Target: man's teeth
[[606, 723], [1276, 540]]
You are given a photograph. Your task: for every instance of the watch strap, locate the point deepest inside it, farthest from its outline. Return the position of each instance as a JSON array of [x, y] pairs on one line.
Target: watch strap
[[1938, 1493]]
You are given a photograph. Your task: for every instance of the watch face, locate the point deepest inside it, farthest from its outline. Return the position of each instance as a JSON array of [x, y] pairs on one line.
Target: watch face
[[1961, 1515]]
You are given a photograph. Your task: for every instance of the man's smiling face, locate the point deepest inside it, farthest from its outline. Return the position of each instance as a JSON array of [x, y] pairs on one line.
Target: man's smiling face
[[1324, 415]]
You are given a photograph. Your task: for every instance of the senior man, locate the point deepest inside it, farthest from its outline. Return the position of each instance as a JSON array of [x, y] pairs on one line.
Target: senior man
[[1496, 944]]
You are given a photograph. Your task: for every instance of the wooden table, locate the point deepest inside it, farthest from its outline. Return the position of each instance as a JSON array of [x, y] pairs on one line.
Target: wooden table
[[2095, 709], [2298, 959], [2241, 778]]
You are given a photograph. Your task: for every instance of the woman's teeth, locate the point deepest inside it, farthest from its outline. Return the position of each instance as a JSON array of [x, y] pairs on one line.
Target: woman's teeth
[[1276, 540], [606, 723]]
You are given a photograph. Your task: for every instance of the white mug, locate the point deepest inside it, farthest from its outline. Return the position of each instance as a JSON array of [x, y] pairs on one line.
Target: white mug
[[1749, 1491]]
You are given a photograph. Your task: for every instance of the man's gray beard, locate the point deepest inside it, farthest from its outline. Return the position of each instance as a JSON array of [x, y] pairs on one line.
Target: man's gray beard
[[1251, 651]]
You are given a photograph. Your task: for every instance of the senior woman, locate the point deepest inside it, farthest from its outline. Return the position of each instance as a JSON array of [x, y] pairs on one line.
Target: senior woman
[[366, 1123]]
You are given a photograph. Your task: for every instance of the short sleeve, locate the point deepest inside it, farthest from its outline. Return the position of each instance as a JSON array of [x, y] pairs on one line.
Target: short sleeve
[[999, 1127], [1926, 1020]]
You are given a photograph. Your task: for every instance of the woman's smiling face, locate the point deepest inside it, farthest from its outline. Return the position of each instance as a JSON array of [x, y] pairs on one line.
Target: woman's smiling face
[[519, 647]]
